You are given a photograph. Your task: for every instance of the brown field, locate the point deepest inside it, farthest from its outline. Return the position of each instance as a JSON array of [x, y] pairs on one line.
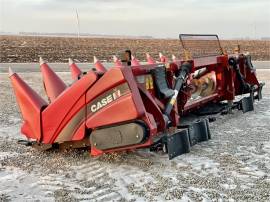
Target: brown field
[[59, 49]]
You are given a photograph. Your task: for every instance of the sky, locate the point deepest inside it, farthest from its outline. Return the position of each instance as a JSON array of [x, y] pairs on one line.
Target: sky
[[157, 18]]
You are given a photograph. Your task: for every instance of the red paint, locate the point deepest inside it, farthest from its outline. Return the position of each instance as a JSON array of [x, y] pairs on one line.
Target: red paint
[[75, 71], [31, 105], [53, 84], [80, 132], [110, 114], [56, 116], [117, 62], [99, 66], [135, 62], [149, 59]]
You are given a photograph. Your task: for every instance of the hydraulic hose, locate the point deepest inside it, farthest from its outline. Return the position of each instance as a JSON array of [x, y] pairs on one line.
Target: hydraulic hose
[[183, 72], [244, 86]]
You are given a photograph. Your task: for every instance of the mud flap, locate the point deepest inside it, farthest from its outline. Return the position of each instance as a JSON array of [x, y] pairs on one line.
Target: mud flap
[[259, 92], [246, 104], [199, 132], [182, 140], [178, 143]]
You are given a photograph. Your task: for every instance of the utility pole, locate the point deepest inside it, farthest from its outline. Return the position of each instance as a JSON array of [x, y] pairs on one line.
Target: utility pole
[[78, 23]]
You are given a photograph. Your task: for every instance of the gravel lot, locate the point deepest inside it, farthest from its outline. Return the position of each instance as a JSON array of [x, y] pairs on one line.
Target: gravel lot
[[233, 166]]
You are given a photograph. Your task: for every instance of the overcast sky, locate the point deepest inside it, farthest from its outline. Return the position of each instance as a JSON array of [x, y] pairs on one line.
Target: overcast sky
[[158, 18]]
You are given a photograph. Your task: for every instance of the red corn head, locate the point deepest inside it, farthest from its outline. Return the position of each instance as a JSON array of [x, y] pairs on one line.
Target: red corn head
[[30, 104], [150, 60], [75, 70], [117, 62], [53, 85], [134, 61], [174, 58], [98, 65], [163, 58]]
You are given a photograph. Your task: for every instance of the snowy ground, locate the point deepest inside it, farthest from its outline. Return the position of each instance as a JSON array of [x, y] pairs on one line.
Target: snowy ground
[[233, 166]]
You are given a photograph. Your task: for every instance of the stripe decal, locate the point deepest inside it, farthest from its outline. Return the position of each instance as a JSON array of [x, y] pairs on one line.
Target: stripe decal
[[71, 127], [92, 107]]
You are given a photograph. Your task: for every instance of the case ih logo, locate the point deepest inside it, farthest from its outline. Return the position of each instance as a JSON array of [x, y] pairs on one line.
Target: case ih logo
[[108, 97], [103, 102]]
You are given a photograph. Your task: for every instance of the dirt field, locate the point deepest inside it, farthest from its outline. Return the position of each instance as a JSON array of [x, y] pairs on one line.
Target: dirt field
[[53, 49], [233, 166]]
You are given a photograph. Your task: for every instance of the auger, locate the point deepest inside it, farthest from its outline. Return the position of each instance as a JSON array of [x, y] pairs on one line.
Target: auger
[[124, 108]]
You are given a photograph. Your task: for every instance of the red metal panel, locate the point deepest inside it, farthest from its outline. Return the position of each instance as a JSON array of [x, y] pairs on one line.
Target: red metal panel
[[59, 113], [110, 113], [135, 91], [134, 61], [99, 66], [80, 132], [153, 109], [30, 104], [75, 71], [111, 78], [149, 59], [71, 121], [54, 86]]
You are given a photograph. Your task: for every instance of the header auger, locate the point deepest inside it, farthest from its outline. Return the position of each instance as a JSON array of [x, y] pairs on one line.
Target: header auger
[[134, 105]]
